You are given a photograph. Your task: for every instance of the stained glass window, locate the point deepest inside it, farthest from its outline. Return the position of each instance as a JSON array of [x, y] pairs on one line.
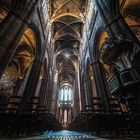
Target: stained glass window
[[66, 93]]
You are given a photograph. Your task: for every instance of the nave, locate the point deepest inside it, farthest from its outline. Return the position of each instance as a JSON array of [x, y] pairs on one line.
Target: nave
[[69, 64]]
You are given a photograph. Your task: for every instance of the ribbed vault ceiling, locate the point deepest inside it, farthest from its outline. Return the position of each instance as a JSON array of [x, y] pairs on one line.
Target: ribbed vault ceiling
[[67, 18]]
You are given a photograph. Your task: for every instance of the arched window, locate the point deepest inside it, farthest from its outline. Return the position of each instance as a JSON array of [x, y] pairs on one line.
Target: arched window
[[65, 94]]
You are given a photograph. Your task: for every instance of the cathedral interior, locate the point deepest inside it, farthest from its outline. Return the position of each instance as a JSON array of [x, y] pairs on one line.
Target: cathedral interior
[[69, 69]]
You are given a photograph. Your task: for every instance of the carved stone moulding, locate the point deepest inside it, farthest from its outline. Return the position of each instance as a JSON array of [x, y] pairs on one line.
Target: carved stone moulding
[[114, 48]]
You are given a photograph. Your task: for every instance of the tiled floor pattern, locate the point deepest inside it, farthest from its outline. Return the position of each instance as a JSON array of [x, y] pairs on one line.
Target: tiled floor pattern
[[67, 135]]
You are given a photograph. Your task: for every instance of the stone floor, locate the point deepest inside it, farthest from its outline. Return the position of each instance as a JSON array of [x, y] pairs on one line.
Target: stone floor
[[76, 138], [67, 135]]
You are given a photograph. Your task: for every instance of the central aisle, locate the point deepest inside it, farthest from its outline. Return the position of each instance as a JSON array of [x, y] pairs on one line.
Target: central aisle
[[62, 135], [66, 135], [70, 135]]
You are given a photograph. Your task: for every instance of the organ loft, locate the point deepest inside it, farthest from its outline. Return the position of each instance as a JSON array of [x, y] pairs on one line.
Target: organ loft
[[69, 69]]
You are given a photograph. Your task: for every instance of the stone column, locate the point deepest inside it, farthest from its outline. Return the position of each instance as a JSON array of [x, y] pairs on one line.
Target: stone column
[[24, 82], [86, 92], [101, 87], [17, 86], [31, 85], [76, 92], [88, 89], [54, 98], [43, 90], [79, 90], [12, 30], [82, 92]]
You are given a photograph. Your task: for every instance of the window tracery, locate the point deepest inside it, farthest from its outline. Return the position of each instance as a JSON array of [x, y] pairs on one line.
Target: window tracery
[[65, 96]]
